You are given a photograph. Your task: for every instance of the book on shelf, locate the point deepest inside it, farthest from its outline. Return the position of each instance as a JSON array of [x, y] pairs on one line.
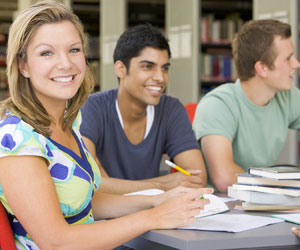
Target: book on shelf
[[217, 66], [264, 181], [219, 30], [263, 198], [265, 207], [282, 171], [292, 191], [216, 31]]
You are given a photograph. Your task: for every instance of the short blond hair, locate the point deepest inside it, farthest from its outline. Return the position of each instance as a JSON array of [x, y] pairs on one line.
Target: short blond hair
[[22, 99]]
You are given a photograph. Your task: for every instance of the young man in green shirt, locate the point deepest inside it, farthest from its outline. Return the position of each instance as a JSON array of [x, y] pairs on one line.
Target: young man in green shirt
[[246, 124]]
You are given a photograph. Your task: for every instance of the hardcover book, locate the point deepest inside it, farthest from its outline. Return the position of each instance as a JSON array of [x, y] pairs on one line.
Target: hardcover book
[[263, 198], [262, 207], [286, 171], [259, 180], [267, 189]]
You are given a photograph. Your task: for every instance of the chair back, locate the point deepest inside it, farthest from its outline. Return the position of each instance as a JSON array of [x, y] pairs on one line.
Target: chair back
[[7, 241], [191, 109]]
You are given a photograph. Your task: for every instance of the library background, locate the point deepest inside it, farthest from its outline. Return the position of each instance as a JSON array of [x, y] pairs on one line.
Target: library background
[[200, 34]]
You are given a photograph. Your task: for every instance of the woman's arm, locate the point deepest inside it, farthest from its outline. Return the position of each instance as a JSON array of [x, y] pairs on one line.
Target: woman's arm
[[31, 194], [112, 206]]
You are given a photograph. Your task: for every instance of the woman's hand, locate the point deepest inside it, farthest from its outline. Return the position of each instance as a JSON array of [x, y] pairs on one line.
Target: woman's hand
[[158, 199], [180, 207]]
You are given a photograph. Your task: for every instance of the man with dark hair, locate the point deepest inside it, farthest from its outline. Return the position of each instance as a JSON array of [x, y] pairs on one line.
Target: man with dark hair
[[245, 124], [130, 128]]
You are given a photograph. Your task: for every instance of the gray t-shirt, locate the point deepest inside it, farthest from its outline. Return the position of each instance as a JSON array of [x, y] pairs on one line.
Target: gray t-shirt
[[171, 133], [257, 133]]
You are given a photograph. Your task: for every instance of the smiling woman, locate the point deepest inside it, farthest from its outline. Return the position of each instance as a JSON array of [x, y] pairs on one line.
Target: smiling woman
[[48, 179], [55, 68], [17, 56]]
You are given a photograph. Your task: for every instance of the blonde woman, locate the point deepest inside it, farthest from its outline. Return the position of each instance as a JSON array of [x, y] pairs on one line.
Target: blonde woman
[[48, 180]]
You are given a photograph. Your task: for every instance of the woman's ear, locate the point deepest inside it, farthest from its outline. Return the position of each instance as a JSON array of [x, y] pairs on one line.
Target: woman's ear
[[120, 69], [23, 68], [261, 69]]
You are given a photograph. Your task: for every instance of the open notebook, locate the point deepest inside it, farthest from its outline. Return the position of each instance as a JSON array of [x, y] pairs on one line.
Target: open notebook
[[216, 205]]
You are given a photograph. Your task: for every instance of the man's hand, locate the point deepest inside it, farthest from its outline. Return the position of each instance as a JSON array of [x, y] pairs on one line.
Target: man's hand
[[179, 179], [296, 231]]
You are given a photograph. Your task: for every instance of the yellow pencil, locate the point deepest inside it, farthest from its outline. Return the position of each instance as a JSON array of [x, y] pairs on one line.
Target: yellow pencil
[[172, 165]]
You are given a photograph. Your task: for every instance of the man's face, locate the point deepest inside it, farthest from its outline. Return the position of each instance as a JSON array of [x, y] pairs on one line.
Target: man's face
[[147, 76], [281, 76]]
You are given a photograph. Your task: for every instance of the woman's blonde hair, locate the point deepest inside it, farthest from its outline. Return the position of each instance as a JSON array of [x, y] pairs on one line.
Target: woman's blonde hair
[[22, 99]]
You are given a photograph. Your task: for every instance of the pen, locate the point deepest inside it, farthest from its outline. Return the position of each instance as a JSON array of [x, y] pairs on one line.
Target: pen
[[172, 165]]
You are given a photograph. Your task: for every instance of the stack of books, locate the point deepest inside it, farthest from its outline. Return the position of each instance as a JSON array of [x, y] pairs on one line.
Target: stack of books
[[273, 188]]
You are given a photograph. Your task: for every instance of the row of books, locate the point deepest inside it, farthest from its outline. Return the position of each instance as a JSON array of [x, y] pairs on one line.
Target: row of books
[[219, 30], [217, 66], [272, 188]]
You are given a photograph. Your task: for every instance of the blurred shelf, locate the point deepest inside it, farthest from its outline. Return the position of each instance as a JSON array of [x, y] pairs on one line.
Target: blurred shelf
[[88, 12], [222, 8], [152, 12], [214, 81], [7, 8], [221, 45]]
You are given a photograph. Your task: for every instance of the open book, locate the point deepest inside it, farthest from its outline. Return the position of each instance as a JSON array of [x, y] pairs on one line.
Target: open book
[[216, 205]]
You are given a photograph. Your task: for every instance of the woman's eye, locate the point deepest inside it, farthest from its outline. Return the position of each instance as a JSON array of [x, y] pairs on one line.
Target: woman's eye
[[75, 50], [46, 53]]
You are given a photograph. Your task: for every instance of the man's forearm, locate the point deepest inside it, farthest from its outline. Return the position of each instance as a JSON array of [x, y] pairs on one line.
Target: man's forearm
[[165, 182], [120, 186]]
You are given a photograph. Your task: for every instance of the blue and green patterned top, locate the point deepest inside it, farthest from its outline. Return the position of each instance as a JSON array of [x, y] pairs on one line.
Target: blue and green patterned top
[[75, 178]]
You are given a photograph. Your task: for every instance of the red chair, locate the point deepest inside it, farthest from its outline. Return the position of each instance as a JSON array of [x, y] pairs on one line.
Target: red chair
[[7, 241], [191, 109]]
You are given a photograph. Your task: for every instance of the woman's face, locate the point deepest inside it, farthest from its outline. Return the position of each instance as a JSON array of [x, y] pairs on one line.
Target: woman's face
[[55, 63]]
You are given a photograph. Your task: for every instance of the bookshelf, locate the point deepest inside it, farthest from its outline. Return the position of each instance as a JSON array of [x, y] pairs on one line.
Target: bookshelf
[[116, 16], [146, 11], [181, 21], [220, 20], [88, 12], [7, 8], [207, 26], [3, 77]]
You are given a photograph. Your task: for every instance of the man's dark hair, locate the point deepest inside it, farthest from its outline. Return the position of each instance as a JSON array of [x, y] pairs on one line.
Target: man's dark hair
[[137, 38]]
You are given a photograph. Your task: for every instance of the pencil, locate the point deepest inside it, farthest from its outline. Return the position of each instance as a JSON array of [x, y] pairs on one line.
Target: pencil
[[172, 165]]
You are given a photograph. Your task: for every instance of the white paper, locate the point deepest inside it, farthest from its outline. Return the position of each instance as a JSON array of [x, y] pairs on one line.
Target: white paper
[[231, 222], [215, 206], [147, 192], [293, 218], [228, 199]]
